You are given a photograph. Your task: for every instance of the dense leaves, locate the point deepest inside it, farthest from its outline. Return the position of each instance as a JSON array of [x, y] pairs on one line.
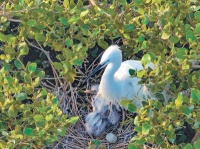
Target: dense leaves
[[28, 114], [166, 31]]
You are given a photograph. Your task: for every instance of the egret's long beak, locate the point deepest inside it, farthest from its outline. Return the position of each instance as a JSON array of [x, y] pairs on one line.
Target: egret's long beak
[[100, 66]]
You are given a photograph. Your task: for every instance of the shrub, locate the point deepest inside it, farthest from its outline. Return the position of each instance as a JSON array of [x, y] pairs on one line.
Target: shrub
[[166, 31]]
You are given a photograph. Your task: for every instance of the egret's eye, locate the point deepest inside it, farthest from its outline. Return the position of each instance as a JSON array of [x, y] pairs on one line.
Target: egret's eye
[[106, 62]]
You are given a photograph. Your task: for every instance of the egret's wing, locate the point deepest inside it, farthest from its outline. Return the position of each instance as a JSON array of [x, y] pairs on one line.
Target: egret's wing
[[137, 90], [123, 71]]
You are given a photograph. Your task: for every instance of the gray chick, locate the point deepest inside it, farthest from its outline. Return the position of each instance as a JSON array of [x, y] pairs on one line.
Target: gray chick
[[102, 116]]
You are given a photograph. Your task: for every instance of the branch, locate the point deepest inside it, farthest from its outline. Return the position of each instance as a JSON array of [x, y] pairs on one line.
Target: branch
[[48, 57], [14, 20]]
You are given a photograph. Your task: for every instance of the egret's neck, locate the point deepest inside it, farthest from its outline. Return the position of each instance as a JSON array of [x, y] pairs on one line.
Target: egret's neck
[[110, 71], [109, 87]]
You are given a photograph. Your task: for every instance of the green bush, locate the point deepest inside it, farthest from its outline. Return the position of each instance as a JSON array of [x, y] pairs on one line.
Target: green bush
[[29, 114], [168, 33]]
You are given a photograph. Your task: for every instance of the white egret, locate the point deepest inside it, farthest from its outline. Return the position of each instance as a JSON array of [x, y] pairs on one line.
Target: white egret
[[116, 83]]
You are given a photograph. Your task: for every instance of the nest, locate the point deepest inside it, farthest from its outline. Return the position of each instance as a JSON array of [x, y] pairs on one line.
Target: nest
[[74, 102]]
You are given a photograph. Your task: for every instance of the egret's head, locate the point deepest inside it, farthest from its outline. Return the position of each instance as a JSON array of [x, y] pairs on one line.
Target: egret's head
[[112, 54]]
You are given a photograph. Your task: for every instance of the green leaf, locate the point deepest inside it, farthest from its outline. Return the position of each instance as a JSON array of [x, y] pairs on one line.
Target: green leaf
[[21, 96], [40, 37], [84, 13], [146, 59], [49, 117], [42, 109], [187, 27], [147, 1], [36, 82], [95, 32], [187, 111], [152, 55], [197, 144], [138, 2], [197, 15], [3, 37], [188, 146], [32, 23], [32, 67], [9, 80], [6, 66], [29, 132], [181, 54], [68, 42], [179, 100], [159, 140], [141, 141], [85, 29], [125, 102], [190, 35], [140, 11], [144, 44], [12, 112], [18, 64], [131, 107], [66, 3], [174, 39], [70, 74], [132, 72], [126, 36], [195, 94], [23, 49], [132, 146], [196, 125], [102, 43], [128, 27], [197, 29], [141, 73], [73, 19], [58, 66], [145, 128], [21, 2], [55, 100], [141, 39], [4, 133], [50, 139], [27, 78], [41, 133], [40, 74], [44, 92], [64, 21], [138, 129], [38, 118], [165, 35], [73, 119], [157, 104], [95, 142], [61, 131], [77, 62]]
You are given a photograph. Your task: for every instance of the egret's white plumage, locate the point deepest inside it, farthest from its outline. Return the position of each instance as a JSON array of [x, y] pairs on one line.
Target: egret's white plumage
[[116, 83]]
